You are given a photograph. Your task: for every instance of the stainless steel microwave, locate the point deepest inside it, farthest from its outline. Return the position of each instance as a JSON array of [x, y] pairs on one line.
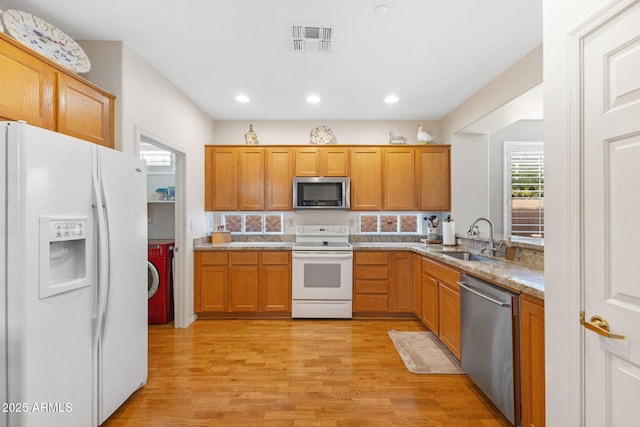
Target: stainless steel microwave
[[321, 193]]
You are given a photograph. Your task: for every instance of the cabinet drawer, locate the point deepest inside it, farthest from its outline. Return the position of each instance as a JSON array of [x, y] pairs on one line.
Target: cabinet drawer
[[371, 302], [276, 258], [372, 272], [240, 257], [375, 258], [372, 286], [440, 272], [214, 258]]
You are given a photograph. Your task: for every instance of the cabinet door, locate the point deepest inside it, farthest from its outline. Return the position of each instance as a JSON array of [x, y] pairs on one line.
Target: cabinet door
[[279, 177], [251, 179], [243, 287], [417, 288], [399, 179], [430, 303], [434, 178], [366, 179], [221, 179], [532, 357], [400, 283], [214, 294], [449, 311], [211, 281], [307, 161], [84, 112], [334, 161], [27, 87], [275, 281]]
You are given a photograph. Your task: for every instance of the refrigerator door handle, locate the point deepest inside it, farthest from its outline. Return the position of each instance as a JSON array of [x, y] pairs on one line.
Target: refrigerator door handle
[[105, 259], [103, 271]]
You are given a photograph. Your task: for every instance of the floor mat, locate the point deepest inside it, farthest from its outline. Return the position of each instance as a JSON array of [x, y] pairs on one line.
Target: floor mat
[[422, 353]]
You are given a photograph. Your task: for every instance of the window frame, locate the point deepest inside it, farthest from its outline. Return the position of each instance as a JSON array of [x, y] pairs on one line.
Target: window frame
[[511, 147]]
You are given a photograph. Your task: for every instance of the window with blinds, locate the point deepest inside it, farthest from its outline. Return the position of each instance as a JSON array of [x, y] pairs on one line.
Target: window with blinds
[[524, 189]]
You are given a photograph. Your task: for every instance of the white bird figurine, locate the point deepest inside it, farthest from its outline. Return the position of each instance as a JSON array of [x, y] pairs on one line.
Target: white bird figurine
[[424, 137]]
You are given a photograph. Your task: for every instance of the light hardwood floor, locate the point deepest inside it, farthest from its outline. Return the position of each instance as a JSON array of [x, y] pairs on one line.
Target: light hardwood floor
[[295, 373]]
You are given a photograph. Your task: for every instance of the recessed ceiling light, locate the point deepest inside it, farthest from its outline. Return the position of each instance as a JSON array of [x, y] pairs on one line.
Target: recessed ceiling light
[[391, 99], [382, 9], [313, 99], [243, 98]]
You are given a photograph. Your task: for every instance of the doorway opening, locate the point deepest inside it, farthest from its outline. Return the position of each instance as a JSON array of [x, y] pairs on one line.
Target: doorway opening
[[166, 205]]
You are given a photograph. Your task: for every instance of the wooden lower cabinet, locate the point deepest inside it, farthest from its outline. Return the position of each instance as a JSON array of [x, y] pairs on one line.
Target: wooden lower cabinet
[[532, 361], [416, 267], [429, 297], [211, 278], [244, 277], [242, 282], [400, 282], [275, 282], [440, 303], [382, 282], [449, 320], [371, 281]]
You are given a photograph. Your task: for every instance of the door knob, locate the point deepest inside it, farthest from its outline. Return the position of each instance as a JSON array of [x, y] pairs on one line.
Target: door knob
[[600, 326]]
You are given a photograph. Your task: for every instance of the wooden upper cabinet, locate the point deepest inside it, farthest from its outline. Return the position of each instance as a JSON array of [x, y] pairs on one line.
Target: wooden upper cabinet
[[44, 94], [84, 112], [334, 161], [366, 179], [251, 179], [221, 178], [434, 175], [307, 161], [399, 179], [27, 87], [322, 161], [279, 178]]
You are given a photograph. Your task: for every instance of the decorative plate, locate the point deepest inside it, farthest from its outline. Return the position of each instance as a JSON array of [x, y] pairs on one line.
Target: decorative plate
[[46, 39], [321, 135]]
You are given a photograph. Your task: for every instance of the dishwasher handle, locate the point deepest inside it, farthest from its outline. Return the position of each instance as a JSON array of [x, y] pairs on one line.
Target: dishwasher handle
[[481, 295]]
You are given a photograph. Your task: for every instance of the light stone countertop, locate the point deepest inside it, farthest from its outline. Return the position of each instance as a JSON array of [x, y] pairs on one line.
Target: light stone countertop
[[243, 246], [500, 271]]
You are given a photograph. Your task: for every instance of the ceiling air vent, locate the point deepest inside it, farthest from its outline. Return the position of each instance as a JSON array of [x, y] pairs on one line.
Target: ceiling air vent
[[311, 38]]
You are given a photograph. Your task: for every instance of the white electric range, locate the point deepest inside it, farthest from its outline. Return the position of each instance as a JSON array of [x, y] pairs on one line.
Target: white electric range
[[322, 272]]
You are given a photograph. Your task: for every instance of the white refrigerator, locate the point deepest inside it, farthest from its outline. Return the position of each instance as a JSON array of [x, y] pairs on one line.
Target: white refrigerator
[[73, 266]]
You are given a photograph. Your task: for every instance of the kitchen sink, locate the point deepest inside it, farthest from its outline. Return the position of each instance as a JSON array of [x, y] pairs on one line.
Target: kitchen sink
[[466, 256]]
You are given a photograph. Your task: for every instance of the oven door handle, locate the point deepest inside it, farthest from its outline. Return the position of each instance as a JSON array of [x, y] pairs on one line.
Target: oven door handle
[[320, 255]]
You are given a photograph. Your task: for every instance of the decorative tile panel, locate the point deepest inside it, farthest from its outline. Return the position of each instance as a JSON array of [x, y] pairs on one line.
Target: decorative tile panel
[[273, 223], [408, 223], [389, 223], [253, 224], [368, 223], [233, 223]]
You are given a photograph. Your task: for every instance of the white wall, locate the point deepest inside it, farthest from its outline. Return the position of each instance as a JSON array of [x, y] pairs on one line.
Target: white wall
[[469, 181], [518, 79], [470, 153], [150, 104], [296, 132]]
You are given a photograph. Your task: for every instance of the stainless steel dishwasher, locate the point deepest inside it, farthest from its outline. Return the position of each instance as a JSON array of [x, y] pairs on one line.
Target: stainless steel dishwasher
[[490, 342]]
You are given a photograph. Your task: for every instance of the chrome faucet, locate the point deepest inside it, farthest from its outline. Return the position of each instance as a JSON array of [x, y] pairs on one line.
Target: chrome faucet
[[473, 231]]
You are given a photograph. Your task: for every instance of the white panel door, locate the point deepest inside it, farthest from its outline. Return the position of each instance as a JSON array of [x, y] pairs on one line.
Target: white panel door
[[611, 211]]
